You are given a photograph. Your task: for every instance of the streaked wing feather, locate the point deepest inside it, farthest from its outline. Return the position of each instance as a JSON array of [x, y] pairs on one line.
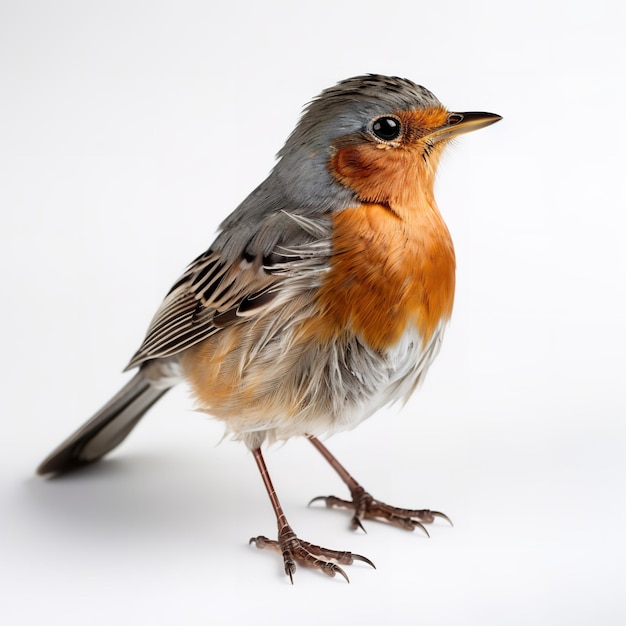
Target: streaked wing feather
[[186, 317], [215, 292]]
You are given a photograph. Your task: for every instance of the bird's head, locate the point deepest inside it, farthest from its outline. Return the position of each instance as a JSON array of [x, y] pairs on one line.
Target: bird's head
[[369, 139]]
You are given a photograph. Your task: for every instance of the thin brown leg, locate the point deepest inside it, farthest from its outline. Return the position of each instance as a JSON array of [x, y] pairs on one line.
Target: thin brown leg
[[365, 506], [294, 549]]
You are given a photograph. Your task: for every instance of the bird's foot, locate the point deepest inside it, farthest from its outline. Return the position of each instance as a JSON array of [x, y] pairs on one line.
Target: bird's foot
[[366, 507], [295, 550]]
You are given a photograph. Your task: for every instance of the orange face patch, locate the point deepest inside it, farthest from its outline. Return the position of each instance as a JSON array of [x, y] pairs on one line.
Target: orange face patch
[[392, 172]]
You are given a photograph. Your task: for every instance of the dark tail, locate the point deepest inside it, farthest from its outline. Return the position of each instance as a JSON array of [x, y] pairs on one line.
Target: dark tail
[[106, 429]]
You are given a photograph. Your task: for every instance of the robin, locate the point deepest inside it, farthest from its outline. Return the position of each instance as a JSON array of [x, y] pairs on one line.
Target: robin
[[323, 297]]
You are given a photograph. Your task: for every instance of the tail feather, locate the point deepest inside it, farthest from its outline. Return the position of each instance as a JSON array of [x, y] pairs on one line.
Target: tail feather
[[106, 429]]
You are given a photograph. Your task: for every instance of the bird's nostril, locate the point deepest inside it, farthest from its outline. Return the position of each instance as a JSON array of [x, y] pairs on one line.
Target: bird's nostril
[[454, 118]]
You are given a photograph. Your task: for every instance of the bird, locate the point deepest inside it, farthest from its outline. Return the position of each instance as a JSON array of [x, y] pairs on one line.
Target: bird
[[323, 297]]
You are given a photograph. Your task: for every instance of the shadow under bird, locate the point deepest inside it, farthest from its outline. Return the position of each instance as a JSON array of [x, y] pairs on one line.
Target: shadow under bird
[[323, 297]]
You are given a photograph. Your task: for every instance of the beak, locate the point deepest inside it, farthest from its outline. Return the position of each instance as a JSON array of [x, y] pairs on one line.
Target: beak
[[461, 123]]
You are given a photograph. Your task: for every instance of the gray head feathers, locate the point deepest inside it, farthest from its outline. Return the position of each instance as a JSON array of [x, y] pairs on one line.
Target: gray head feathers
[[300, 182], [348, 106], [340, 110]]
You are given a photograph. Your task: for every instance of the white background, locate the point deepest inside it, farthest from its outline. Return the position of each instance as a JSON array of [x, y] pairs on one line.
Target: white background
[[129, 130]]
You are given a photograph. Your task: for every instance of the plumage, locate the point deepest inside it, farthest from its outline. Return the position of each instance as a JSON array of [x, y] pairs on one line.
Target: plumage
[[323, 297], [326, 292]]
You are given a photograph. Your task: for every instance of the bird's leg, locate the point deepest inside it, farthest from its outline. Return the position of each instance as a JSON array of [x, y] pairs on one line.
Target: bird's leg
[[294, 549], [366, 507]]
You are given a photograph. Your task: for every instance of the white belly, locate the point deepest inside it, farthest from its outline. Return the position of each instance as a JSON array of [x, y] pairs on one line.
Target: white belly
[[351, 385]]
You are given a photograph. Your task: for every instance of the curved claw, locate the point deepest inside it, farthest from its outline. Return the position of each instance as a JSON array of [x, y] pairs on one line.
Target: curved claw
[[356, 523], [290, 569], [317, 499], [336, 569], [421, 526], [360, 557], [442, 516]]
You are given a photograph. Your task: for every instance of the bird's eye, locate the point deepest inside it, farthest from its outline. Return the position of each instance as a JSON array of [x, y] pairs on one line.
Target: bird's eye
[[386, 128]]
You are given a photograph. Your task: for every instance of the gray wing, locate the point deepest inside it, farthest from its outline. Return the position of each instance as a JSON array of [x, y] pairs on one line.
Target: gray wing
[[235, 280]]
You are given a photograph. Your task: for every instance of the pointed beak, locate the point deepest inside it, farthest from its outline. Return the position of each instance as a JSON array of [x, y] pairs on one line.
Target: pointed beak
[[461, 123]]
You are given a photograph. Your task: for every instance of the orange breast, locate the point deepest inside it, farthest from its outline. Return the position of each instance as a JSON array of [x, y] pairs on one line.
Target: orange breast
[[391, 268]]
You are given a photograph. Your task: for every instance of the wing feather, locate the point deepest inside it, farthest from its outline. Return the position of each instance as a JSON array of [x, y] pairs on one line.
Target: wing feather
[[217, 290]]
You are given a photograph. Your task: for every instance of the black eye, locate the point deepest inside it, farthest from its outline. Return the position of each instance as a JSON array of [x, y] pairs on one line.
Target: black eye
[[386, 128]]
